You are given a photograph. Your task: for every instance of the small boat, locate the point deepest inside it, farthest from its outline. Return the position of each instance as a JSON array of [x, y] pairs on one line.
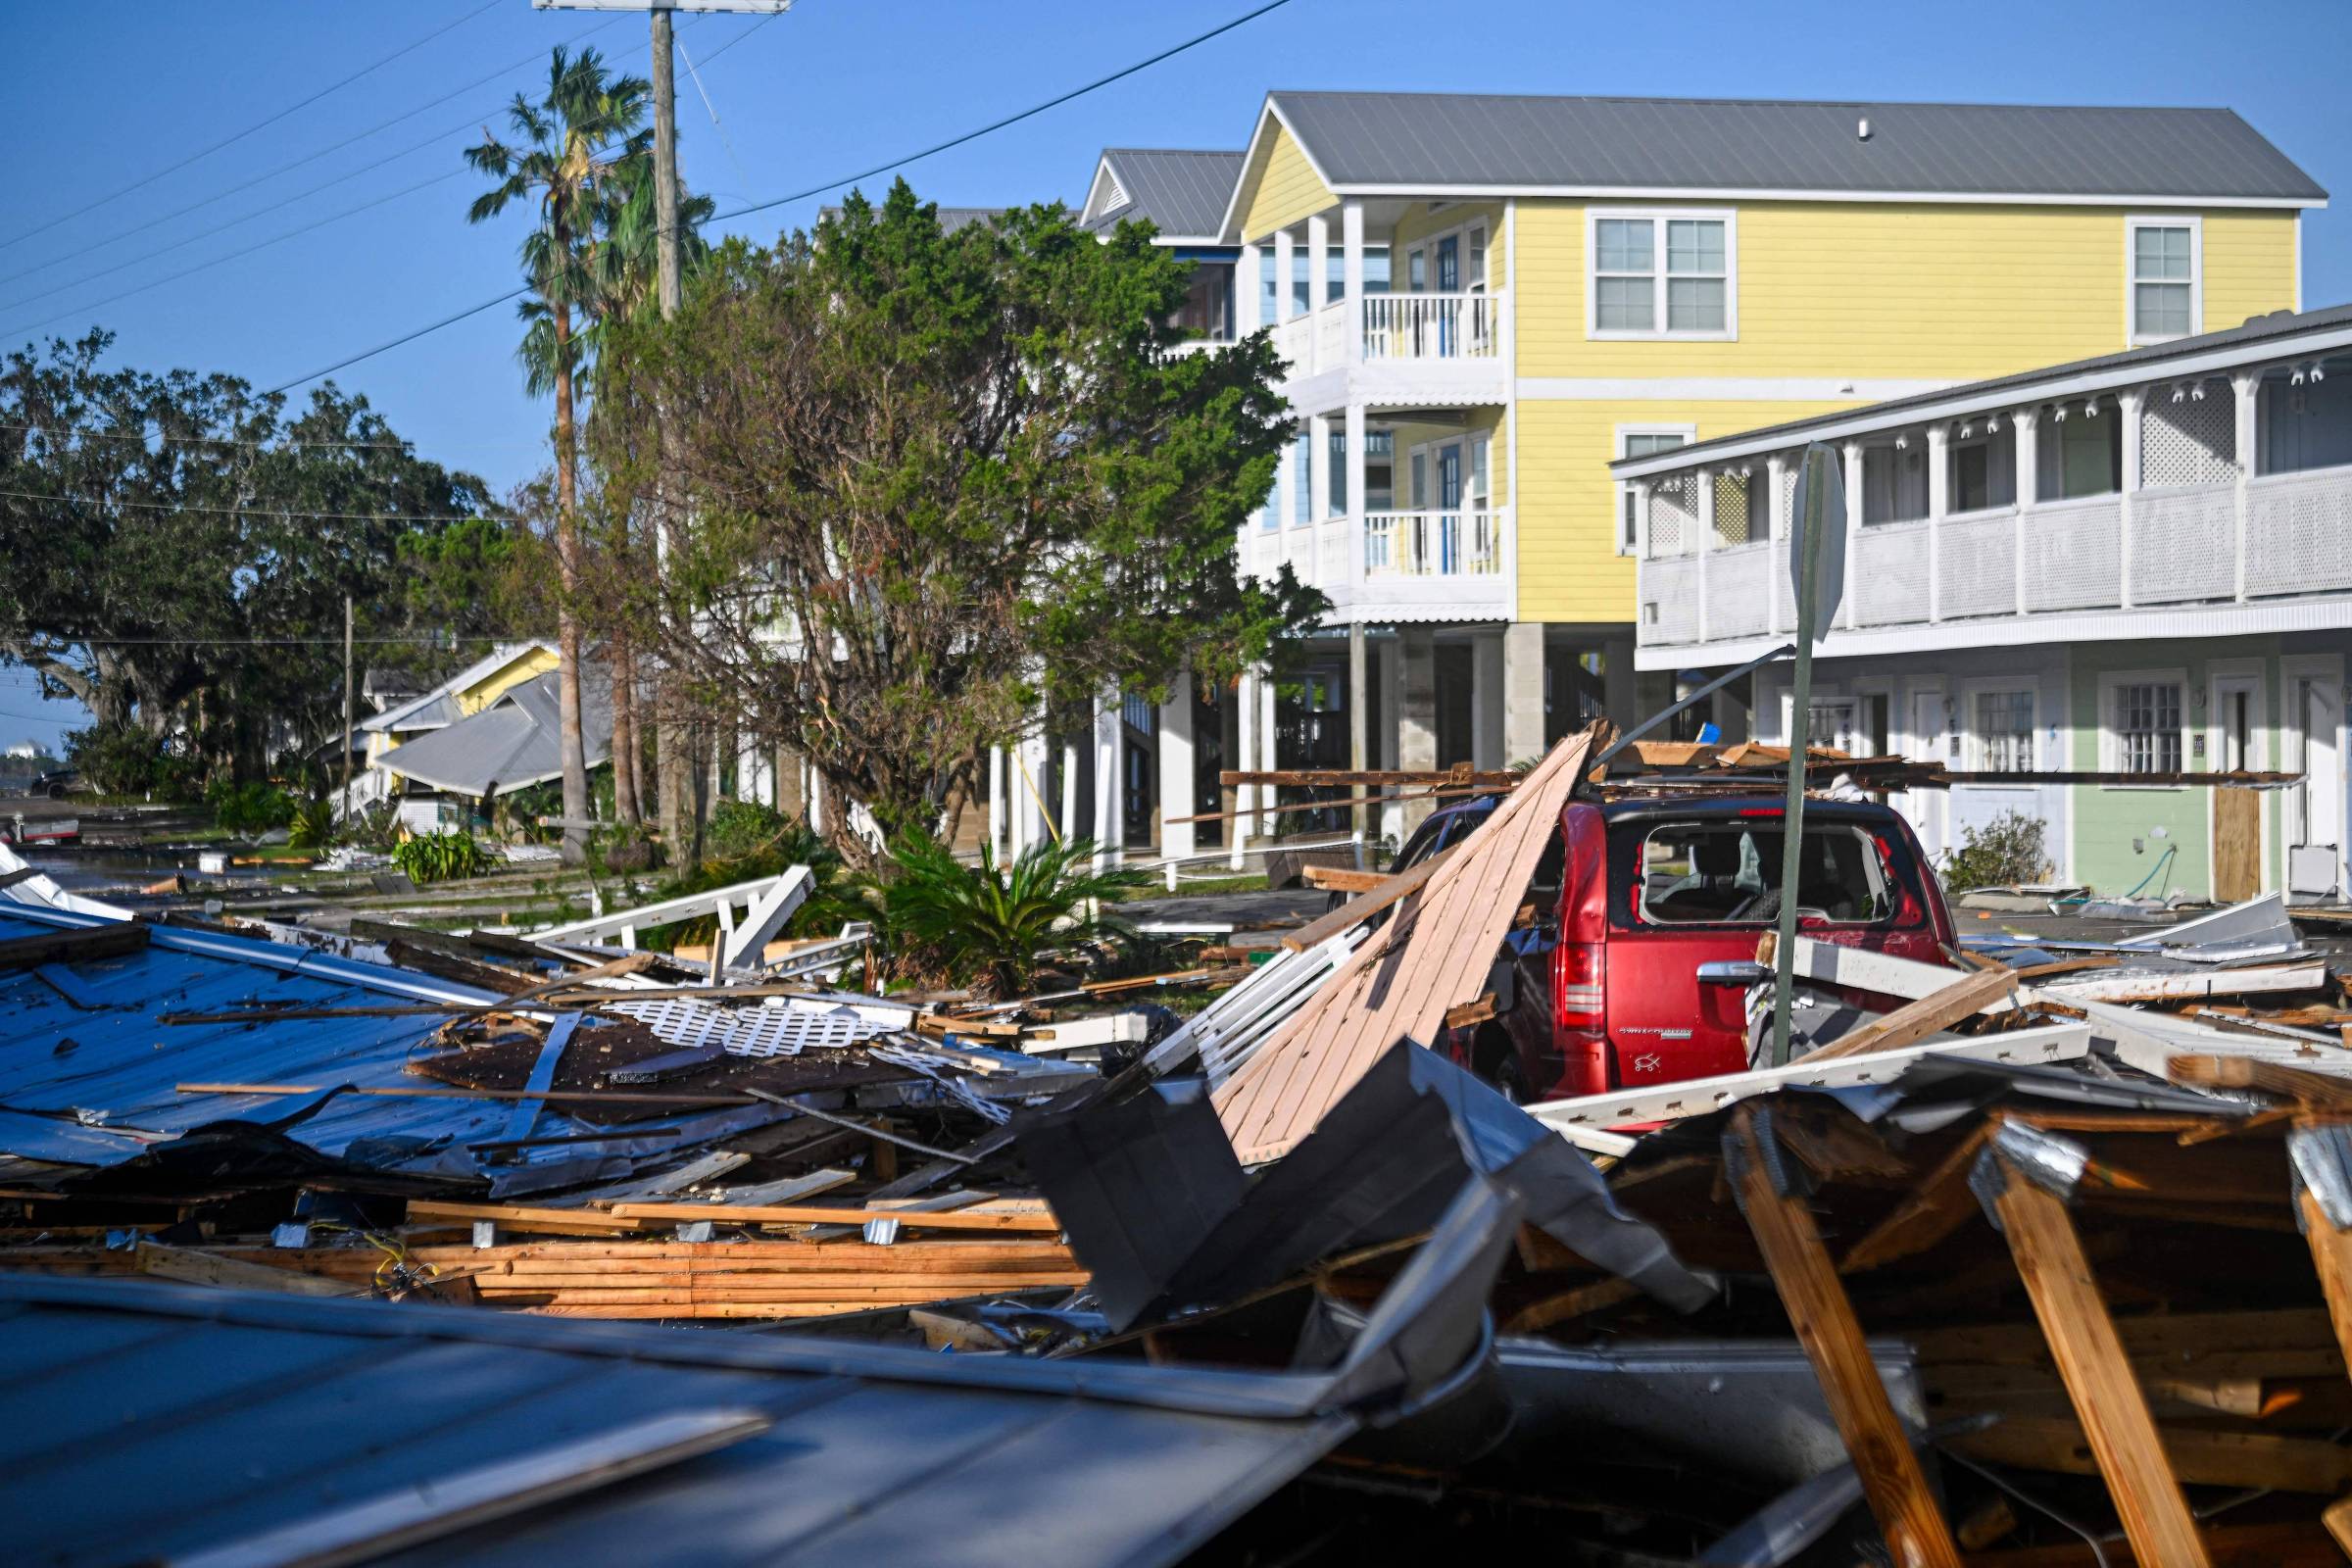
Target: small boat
[[45, 830]]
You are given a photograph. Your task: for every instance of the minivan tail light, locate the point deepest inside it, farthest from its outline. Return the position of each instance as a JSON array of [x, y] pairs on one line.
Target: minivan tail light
[[1579, 983]]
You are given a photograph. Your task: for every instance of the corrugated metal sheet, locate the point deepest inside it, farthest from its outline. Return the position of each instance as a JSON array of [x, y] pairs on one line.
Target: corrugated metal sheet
[[92, 1082], [143, 1422], [1183, 192], [1437, 140]]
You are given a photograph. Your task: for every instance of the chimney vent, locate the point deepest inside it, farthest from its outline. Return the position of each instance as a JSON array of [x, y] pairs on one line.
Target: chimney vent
[[1862, 128]]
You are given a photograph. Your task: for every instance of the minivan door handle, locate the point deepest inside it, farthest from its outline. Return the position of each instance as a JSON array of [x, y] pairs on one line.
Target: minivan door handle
[[1733, 972]]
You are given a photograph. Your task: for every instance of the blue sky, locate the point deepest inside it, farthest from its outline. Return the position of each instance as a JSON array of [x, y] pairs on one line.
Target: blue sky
[[111, 91]]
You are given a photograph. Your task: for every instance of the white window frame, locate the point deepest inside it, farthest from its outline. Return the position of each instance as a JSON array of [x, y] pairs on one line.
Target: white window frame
[[1624, 487], [2111, 747], [2132, 225], [1972, 739], [1658, 218]]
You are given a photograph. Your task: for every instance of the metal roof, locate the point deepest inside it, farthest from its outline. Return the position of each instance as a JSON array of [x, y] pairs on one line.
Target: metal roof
[[88, 1077], [514, 742], [150, 1423], [1433, 141], [413, 715], [1181, 192], [2251, 340]]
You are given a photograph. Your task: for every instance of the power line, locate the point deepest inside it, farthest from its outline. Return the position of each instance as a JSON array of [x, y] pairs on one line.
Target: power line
[[251, 510], [310, 158], [834, 184], [207, 152], [142, 437]]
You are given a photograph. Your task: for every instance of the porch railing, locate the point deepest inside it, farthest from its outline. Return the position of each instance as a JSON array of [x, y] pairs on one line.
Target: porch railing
[[1432, 544], [1432, 326]]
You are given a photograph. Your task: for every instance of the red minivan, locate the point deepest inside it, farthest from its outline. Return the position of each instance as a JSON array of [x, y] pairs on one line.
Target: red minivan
[[1638, 966]]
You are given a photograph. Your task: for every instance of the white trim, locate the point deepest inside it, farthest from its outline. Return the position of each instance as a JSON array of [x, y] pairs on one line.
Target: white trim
[[2297, 237], [1658, 218], [1103, 173], [1742, 193], [2329, 668], [1717, 388], [2133, 223], [1688, 433], [2111, 681], [2183, 368], [1510, 407], [1233, 201]]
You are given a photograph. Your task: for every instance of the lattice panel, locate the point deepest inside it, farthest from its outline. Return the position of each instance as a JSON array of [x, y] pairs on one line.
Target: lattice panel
[[1732, 525], [2074, 558], [1674, 516], [1784, 505], [2194, 441], [784, 1031], [2184, 546], [1890, 572], [1975, 565], [2299, 533]]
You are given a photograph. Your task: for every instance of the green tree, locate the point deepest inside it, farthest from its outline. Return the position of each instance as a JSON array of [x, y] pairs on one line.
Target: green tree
[[940, 482], [570, 157]]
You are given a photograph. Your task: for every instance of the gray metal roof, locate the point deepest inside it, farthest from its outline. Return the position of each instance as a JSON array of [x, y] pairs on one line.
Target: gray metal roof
[[1182, 193], [144, 1423], [1438, 141], [512, 743], [2254, 335]]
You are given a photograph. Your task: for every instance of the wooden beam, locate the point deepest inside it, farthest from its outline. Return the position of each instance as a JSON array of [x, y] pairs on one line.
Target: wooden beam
[[1026, 1223], [1340, 878], [1825, 1322], [2199, 1457], [1336, 778], [1913, 1022], [80, 945], [2320, 1090], [1365, 906], [2332, 1257], [2098, 1375]]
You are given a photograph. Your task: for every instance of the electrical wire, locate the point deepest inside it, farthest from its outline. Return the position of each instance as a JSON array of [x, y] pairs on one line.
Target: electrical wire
[[251, 510], [142, 437], [262, 124], [832, 184]]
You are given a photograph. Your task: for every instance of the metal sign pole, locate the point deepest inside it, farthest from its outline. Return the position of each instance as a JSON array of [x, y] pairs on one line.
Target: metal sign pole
[[1817, 527]]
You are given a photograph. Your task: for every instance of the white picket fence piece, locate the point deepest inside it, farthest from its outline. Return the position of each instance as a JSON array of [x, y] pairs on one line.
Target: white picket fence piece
[[1229, 1031]]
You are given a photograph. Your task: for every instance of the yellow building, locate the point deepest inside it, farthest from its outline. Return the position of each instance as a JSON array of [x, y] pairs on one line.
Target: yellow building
[[1484, 300], [461, 696]]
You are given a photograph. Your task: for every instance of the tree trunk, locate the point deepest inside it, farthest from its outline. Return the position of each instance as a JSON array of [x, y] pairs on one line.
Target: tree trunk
[[626, 806], [574, 744]]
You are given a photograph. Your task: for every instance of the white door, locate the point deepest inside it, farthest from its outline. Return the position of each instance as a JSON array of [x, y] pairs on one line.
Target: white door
[[1929, 810], [2315, 807]]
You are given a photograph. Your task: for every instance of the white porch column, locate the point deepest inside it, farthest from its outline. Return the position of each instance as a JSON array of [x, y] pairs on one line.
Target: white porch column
[[1286, 298], [1853, 529], [1522, 692], [1358, 505], [1032, 812], [1351, 291], [1318, 265], [1776, 473], [2246, 386], [1318, 477], [999, 819], [1360, 728], [1704, 545], [1249, 291], [2027, 422], [1490, 697], [1386, 730], [1111, 780], [1174, 755], [1244, 796], [2128, 403], [1416, 713], [1939, 502], [1285, 493]]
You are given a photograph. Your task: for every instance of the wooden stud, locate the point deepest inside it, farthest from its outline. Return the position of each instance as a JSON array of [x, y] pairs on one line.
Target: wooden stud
[[82, 946], [1825, 1322], [2332, 1257], [2098, 1377]]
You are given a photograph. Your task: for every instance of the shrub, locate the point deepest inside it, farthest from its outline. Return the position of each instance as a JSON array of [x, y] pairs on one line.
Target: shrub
[[989, 921], [440, 857], [247, 809], [2005, 851], [313, 825]]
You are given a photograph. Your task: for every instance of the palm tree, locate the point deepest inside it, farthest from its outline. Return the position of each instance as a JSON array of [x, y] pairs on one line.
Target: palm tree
[[574, 153]]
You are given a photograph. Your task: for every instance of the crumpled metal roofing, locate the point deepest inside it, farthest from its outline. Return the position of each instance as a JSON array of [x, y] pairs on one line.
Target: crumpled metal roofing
[[87, 1076]]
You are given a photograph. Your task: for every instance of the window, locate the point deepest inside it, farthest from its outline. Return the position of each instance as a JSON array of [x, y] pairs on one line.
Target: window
[[1632, 443], [1983, 469], [2146, 719], [1722, 873], [1662, 275], [1894, 484], [2002, 738], [2164, 258]]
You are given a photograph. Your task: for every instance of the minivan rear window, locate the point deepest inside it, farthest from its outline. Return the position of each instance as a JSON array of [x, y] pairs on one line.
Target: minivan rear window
[[1728, 872]]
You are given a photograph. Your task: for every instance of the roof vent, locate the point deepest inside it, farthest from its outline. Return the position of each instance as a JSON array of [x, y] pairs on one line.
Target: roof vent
[[1862, 128]]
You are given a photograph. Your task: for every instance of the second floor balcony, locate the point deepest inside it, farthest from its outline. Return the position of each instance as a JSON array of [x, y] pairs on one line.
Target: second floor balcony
[[2211, 492], [1420, 565]]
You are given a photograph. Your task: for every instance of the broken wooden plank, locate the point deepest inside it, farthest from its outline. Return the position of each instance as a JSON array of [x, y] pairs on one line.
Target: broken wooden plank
[[2258, 1459], [192, 1266], [1915, 1021], [1938, 1204], [1340, 878], [822, 1214], [2098, 1374], [82, 946], [1365, 906], [1824, 1319], [2317, 1090]]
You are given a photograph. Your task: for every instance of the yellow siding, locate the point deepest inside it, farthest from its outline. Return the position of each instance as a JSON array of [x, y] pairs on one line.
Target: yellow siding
[[530, 664], [1280, 187], [1920, 291], [2249, 266], [1569, 568]]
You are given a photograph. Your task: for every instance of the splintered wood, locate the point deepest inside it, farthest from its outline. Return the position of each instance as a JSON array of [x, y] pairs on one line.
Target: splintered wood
[[1434, 953]]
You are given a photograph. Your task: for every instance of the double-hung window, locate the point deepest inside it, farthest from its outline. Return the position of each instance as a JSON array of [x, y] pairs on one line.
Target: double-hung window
[[1663, 274], [2165, 256], [2001, 739], [2146, 726]]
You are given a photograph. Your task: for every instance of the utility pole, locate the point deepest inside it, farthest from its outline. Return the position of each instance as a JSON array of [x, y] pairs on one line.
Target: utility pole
[[666, 166], [347, 702]]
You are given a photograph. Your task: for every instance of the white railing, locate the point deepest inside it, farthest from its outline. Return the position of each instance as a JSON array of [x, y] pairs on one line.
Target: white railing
[[2074, 555], [1432, 326], [1432, 544], [2298, 530], [1331, 334], [1891, 574], [2184, 544], [1295, 341], [1739, 588], [1670, 600], [1975, 563]]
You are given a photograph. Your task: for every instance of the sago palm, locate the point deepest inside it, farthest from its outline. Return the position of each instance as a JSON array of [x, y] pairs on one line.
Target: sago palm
[[990, 920], [572, 154]]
